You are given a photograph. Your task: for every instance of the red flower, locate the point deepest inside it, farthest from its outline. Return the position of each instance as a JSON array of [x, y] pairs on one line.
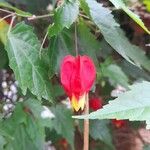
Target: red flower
[[118, 123], [95, 103], [77, 77]]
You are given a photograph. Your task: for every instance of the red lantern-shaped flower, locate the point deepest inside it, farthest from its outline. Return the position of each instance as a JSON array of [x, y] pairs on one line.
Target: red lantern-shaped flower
[[77, 77]]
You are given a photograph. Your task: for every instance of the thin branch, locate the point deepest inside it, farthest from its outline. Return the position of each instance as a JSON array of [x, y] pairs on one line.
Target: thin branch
[[21, 15], [86, 125], [90, 25], [40, 51], [34, 17], [7, 11], [11, 12], [76, 39], [11, 24], [29, 17], [84, 16], [7, 17]]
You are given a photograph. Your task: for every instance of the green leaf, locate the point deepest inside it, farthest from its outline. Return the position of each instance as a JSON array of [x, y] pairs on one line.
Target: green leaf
[[29, 137], [8, 126], [63, 123], [2, 142], [120, 4], [87, 43], [133, 105], [64, 16], [23, 52], [59, 47], [36, 109], [99, 130], [115, 74], [147, 3], [134, 72], [59, 91], [22, 128], [20, 136], [34, 106], [18, 11], [36, 133], [85, 7], [115, 36]]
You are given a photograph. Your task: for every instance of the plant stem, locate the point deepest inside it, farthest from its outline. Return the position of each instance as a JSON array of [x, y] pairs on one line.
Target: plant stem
[[76, 38], [84, 16], [86, 125], [29, 17], [11, 24], [7, 11], [40, 51], [10, 15], [34, 17]]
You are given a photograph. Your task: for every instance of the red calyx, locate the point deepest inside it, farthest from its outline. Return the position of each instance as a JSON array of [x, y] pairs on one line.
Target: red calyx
[[95, 103], [77, 77]]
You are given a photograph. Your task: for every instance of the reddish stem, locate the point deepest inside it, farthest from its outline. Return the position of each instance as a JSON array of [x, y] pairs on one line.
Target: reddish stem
[[86, 126]]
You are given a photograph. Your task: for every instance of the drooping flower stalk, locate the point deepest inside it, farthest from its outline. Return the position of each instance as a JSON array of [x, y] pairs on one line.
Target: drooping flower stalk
[[77, 77], [86, 126]]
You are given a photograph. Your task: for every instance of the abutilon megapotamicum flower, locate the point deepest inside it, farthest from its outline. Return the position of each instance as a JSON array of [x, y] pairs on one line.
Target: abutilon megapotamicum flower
[[77, 77]]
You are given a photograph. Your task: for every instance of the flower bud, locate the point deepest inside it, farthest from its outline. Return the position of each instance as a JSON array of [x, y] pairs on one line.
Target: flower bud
[[77, 77]]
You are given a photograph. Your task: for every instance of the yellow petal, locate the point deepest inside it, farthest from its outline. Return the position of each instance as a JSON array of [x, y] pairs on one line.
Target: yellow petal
[[74, 103], [77, 104], [82, 101]]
